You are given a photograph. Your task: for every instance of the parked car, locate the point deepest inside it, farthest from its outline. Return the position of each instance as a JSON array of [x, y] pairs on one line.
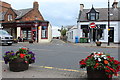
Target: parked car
[[5, 38]]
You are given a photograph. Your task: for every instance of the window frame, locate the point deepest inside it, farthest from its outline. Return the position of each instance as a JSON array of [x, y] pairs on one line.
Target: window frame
[[46, 32], [10, 17]]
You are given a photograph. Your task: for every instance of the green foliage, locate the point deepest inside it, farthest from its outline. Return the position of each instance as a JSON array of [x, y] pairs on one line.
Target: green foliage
[[63, 32]]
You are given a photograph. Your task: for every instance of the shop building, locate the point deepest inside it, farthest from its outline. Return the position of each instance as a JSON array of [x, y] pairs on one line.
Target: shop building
[[98, 16], [27, 24]]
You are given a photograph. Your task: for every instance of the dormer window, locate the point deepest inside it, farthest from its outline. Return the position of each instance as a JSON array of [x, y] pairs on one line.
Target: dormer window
[[9, 17], [93, 15]]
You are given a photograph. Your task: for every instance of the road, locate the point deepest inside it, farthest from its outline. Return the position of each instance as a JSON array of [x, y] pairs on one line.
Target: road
[[59, 54]]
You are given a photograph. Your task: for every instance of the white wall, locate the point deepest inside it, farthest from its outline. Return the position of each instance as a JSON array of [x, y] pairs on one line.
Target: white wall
[[18, 31], [71, 37], [49, 35], [114, 24]]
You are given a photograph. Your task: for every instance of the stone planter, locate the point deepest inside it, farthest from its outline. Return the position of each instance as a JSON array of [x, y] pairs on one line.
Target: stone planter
[[97, 75], [18, 65]]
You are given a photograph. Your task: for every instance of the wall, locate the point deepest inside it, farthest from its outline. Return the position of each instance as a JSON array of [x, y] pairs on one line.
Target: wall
[[49, 35], [114, 24], [71, 36]]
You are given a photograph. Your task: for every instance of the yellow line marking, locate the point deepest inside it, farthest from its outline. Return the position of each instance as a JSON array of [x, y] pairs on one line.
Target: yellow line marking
[[59, 69]]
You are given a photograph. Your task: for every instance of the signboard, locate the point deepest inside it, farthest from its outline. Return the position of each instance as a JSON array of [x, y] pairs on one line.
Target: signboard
[[92, 25]]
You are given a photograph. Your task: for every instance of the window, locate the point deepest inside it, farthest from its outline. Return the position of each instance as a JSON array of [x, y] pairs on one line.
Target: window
[[72, 34], [9, 17], [44, 32], [92, 16]]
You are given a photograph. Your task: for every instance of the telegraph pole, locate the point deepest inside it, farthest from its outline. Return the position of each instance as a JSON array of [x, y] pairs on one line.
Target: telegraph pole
[[108, 21]]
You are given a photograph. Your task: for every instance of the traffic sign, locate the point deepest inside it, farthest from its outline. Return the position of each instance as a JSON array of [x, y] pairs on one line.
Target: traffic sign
[[92, 25]]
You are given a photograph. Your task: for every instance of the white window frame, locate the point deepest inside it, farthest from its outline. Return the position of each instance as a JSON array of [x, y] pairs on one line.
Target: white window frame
[[10, 17]]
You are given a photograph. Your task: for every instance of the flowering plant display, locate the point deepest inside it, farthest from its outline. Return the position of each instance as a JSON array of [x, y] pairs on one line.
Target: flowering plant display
[[101, 61], [23, 53]]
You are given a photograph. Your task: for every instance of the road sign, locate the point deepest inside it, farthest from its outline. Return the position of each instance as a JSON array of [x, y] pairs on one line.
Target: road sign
[[92, 25]]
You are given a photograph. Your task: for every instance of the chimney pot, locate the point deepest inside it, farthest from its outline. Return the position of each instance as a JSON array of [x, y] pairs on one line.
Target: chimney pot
[[35, 5]]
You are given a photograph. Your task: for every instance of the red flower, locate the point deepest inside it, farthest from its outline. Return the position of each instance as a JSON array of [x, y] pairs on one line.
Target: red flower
[[111, 60], [22, 55], [107, 71], [96, 65], [86, 59], [110, 68], [116, 62], [108, 56], [82, 62], [23, 48]]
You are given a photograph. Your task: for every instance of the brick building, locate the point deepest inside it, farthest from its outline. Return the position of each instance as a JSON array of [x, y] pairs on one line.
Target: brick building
[[25, 23]]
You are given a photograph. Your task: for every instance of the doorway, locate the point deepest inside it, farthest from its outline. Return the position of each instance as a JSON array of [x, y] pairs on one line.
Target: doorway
[[111, 34]]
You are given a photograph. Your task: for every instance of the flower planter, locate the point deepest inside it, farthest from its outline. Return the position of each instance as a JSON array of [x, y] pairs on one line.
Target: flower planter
[[97, 74], [98, 43], [30, 41], [100, 65], [18, 65]]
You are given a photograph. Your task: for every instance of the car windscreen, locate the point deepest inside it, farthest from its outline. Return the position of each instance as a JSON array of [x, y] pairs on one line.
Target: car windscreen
[[2, 32]]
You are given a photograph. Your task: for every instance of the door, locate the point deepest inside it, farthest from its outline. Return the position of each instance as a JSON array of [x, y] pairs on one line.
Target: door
[[111, 34]]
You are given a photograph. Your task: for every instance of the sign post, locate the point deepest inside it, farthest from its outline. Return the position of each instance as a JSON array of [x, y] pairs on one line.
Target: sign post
[[92, 25]]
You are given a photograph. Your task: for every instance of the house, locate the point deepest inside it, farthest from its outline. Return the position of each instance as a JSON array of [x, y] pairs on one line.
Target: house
[[98, 18], [71, 33], [27, 24]]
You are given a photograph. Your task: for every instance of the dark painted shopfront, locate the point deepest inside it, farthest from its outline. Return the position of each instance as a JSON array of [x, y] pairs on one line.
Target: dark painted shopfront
[[29, 30]]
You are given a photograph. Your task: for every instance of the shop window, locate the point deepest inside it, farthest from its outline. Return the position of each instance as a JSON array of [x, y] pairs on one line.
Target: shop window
[[44, 32]]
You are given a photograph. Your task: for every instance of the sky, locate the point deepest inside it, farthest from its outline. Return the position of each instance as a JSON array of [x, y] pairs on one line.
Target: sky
[[59, 12]]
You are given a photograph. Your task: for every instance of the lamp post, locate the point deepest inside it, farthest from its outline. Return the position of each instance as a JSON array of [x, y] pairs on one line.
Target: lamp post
[[108, 21]]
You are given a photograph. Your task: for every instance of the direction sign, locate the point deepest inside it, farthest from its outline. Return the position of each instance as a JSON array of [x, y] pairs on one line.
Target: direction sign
[[92, 25]]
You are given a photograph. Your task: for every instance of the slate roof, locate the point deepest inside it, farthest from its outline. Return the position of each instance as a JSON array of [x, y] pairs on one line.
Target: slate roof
[[103, 14], [22, 12]]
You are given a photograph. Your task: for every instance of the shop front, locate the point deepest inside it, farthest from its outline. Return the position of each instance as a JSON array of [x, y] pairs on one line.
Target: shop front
[[93, 34], [30, 30]]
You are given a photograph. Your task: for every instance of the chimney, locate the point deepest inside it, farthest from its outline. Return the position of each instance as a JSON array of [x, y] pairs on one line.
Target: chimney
[[35, 5], [115, 4], [81, 7]]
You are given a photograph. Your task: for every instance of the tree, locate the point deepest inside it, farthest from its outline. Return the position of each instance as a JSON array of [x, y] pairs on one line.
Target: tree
[[63, 32]]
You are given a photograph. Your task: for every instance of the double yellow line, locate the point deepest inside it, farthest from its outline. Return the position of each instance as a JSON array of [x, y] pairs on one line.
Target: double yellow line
[[46, 67]]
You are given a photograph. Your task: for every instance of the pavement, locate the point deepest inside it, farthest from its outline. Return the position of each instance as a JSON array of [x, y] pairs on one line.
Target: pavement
[[42, 72], [93, 44], [35, 71]]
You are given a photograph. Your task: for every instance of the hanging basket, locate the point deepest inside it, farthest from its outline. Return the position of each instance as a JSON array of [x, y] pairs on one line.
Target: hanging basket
[[97, 74], [18, 65]]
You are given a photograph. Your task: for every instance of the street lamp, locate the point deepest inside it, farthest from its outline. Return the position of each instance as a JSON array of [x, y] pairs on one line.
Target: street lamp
[[108, 21]]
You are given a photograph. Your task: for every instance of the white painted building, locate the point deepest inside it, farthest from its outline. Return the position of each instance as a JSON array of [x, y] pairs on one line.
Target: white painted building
[[72, 33], [99, 16]]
